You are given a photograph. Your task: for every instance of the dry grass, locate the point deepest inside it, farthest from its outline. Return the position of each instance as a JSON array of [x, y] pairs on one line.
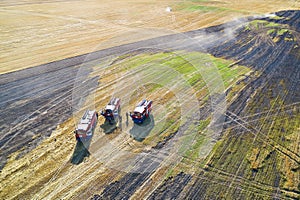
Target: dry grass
[[34, 33]]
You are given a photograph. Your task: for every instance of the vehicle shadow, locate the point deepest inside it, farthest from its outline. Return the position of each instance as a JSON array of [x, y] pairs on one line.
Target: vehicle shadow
[[80, 152], [107, 127], [140, 131]]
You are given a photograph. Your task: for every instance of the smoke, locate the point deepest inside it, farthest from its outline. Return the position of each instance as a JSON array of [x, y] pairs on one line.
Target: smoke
[[217, 34], [270, 15]]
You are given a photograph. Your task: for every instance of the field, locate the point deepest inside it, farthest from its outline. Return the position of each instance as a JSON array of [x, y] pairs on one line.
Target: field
[[223, 79], [35, 32]]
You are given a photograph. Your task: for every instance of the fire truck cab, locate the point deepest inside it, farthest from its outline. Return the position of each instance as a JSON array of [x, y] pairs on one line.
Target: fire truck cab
[[141, 112], [112, 110]]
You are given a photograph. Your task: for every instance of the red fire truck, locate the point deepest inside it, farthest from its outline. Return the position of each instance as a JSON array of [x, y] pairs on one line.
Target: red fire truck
[[86, 126], [141, 112], [112, 110]]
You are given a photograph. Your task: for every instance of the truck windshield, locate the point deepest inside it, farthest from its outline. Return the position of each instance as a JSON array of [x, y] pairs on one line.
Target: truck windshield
[[137, 114], [108, 111], [81, 132]]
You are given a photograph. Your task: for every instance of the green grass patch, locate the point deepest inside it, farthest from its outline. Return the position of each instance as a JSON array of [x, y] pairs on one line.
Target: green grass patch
[[272, 28], [257, 24], [199, 5], [282, 31], [277, 17], [189, 66], [272, 24], [169, 173], [192, 142], [271, 31], [202, 1], [204, 8]]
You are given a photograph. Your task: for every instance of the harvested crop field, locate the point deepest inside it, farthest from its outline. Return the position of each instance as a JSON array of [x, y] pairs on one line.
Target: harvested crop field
[[35, 32], [224, 83]]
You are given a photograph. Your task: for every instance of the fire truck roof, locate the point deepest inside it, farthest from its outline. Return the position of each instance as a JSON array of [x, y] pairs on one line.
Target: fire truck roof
[[110, 107], [142, 105], [139, 109], [113, 103], [85, 120]]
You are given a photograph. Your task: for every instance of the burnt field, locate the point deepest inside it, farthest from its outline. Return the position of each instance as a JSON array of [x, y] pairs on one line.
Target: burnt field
[[264, 115], [258, 156], [254, 152]]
